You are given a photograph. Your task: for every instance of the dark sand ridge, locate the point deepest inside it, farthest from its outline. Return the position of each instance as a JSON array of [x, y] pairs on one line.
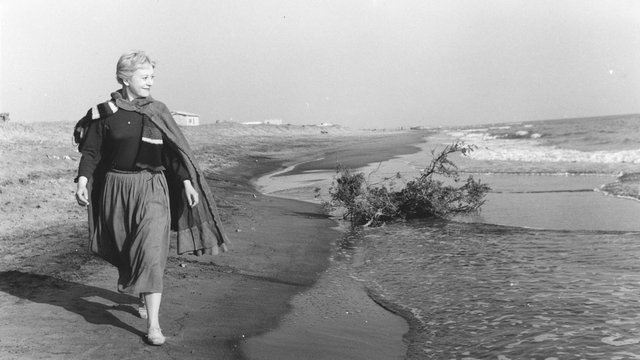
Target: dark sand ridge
[[58, 302], [353, 156]]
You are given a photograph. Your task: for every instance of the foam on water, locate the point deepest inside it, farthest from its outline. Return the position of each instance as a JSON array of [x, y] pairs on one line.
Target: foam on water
[[602, 140], [531, 150]]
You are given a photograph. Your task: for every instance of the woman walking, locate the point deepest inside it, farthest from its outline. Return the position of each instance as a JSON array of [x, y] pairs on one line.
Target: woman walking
[[139, 180]]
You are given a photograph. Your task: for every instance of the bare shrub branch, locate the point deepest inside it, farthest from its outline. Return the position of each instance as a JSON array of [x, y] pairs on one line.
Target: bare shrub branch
[[368, 204]]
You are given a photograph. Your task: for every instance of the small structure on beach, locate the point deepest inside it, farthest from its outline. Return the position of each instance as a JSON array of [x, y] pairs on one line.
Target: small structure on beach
[[184, 118], [273, 122], [265, 122]]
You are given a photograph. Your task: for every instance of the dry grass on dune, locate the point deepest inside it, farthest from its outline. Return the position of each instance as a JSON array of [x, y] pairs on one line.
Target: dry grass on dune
[[29, 149], [37, 206]]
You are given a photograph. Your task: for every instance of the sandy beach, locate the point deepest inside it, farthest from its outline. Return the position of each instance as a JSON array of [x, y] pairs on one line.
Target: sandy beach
[[276, 292]]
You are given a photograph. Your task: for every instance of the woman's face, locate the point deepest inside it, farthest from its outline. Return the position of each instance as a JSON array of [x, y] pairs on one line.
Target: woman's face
[[139, 85]]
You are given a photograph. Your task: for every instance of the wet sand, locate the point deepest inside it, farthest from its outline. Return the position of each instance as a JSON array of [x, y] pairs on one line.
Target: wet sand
[[336, 319], [58, 302]]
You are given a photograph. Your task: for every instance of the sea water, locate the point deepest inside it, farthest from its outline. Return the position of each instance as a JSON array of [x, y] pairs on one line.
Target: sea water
[[550, 267]]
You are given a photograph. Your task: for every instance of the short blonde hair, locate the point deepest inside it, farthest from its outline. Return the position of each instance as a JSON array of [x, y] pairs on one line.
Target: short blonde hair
[[129, 63]]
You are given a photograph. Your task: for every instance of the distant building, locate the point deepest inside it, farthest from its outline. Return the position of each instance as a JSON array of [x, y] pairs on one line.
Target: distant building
[[186, 119], [273, 122], [325, 124], [266, 122]]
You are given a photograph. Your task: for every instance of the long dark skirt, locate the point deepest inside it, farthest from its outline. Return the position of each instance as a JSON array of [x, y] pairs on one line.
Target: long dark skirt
[[134, 229]]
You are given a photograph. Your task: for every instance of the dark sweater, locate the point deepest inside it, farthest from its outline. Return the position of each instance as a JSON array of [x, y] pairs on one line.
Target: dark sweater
[[116, 141]]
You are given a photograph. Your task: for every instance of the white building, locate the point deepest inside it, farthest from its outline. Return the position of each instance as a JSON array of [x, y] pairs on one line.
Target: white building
[[266, 122], [186, 119], [273, 122]]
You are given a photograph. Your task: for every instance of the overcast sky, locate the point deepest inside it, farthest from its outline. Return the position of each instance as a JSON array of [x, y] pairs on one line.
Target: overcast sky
[[359, 63]]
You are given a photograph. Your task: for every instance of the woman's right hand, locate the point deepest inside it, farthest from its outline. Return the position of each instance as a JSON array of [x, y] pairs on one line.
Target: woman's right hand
[[82, 194]]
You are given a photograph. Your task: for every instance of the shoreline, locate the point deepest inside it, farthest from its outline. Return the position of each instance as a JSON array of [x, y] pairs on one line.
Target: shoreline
[[357, 324], [311, 270]]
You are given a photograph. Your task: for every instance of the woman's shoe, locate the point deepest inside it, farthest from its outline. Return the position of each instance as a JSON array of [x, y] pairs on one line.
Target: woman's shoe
[[155, 337]]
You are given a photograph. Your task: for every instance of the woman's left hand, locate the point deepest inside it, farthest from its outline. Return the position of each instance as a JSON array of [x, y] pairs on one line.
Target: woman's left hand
[[191, 193]]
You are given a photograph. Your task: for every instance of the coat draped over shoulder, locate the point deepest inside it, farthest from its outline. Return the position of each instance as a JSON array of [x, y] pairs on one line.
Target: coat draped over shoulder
[[199, 229]]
